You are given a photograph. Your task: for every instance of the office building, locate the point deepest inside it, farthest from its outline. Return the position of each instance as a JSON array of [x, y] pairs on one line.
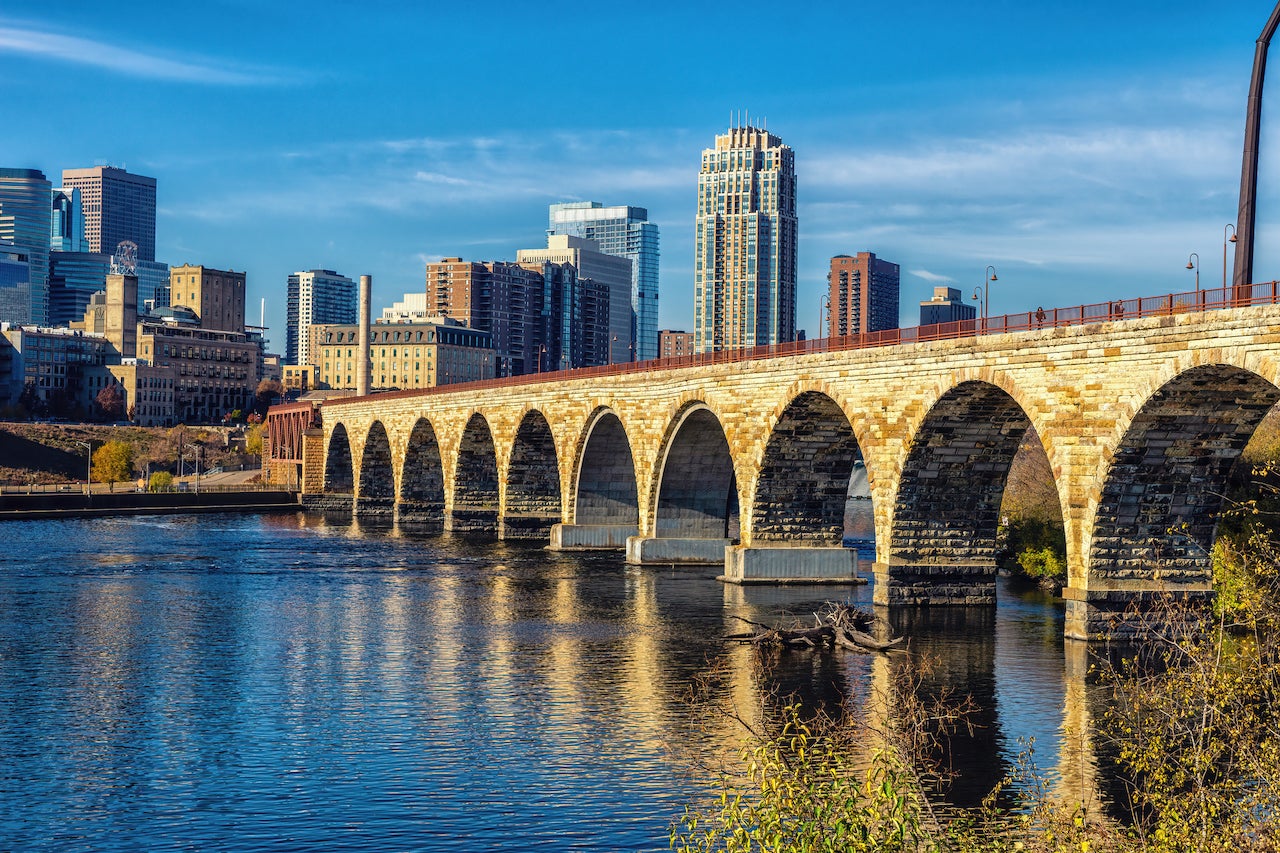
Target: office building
[[216, 297], [15, 286], [946, 306], [497, 297], [67, 221], [437, 351], [673, 343], [117, 206], [26, 224], [863, 294], [745, 243], [75, 276], [47, 367], [412, 307], [146, 389], [624, 231], [573, 316], [316, 296], [613, 271]]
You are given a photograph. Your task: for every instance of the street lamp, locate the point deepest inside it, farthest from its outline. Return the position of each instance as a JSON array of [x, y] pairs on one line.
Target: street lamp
[[1193, 263], [1225, 241], [88, 468], [824, 305], [982, 294]]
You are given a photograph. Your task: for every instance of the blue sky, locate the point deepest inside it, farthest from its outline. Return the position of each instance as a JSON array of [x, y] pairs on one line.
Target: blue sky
[[1084, 149]]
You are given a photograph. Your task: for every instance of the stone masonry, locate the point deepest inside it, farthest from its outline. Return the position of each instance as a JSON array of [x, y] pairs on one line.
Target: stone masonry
[[1140, 420]]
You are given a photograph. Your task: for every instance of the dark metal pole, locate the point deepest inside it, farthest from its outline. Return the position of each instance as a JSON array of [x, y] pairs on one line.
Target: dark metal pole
[[1249, 166]]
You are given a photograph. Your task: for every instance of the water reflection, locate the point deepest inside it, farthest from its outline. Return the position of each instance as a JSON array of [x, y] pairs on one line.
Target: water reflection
[[221, 680]]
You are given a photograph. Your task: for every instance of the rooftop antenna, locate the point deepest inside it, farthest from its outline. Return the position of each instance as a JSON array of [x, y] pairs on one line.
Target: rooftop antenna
[[262, 314]]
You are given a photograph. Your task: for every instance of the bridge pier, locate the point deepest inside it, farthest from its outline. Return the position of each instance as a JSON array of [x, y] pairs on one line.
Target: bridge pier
[[964, 583], [781, 563], [422, 516], [526, 527], [581, 537], [655, 549], [1129, 613]]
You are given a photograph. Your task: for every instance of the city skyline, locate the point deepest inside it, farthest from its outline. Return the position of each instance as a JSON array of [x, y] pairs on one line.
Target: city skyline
[[1084, 152]]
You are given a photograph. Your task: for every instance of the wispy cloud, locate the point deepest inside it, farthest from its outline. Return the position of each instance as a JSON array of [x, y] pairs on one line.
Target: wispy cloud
[[931, 276], [56, 47]]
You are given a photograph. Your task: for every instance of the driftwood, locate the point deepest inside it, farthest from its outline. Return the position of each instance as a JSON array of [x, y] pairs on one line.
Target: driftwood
[[838, 626]]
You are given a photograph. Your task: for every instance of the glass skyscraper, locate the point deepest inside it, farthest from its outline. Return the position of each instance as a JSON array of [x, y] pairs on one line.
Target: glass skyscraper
[[316, 297], [745, 261], [68, 221], [626, 232], [75, 276], [26, 222], [15, 286]]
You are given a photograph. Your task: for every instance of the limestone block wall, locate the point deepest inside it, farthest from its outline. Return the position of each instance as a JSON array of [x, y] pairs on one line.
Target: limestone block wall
[[1119, 408]]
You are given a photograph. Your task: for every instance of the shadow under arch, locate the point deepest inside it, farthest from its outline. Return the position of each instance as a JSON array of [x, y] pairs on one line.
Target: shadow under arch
[[1163, 492], [376, 500], [804, 485], [475, 483], [942, 542], [422, 481], [697, 487], [533, 481], [606, 491], [339, 475]]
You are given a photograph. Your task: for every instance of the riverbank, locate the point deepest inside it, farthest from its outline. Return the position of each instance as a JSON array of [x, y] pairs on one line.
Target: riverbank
[[80, 505]]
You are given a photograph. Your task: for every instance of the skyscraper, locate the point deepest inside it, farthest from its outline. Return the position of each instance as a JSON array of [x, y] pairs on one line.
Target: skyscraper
[[315, 297], [26, 222], [117, 206], [864, 295], [614, 272], [68, 221], [627, 232], [745, 262]]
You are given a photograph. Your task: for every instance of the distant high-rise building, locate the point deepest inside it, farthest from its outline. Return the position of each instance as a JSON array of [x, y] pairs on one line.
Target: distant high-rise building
[[216, 297], [864, 295], [626, 232], [26, 223], [408, 310], [67, 221], [498, 297], [745, 260], [15, 286], [117, 206], [673, 343], [946, 306], [613, 271], [315, 297]]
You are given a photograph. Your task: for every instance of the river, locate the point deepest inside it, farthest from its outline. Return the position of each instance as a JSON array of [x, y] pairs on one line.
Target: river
[[287, 683]]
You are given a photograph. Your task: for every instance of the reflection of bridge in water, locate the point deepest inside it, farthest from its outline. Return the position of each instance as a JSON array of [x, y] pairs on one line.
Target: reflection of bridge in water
[[1141, 408]]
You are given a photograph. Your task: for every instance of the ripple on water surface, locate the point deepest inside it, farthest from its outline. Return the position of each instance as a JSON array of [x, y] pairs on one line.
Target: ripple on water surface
[[279, 683]]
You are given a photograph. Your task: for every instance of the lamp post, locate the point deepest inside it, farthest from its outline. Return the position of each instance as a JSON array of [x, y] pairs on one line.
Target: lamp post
[[88, 468], [824, 307], [1225, 241], [982, 295], [1193, 263]]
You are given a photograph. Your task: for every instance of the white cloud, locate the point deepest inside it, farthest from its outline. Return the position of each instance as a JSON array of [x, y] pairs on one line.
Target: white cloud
[[42, 44], [931, 276]]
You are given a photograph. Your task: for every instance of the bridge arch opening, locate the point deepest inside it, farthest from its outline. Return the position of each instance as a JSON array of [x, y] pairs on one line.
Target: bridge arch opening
[[533, 481], [475, 482], [339, 473], [377, 495], [1158, 511], [697, 487], [422, 480], [811, 477], [606, 491], [942, 542]]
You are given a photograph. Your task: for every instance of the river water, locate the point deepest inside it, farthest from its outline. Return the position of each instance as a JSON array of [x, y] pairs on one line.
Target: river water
[[286, 683]]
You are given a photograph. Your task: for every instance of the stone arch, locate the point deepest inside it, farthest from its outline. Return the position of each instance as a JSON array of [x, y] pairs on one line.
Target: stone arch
[[805, 475], [533, 501], [377, 495], [1157, 512], [605, 490], [942, 539], [475, 482], [697, 486], [422, 480], [339, 472]]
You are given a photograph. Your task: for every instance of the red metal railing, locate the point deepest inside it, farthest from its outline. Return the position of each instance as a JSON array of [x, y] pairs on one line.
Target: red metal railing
[[1047, 318]]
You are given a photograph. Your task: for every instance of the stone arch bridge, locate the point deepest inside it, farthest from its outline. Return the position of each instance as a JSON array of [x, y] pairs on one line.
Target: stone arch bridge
[[746, 458]]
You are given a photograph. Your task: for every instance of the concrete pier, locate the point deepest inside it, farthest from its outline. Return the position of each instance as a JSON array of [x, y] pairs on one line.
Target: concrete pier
[[802, 564], [652, 549], [582, 537]]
